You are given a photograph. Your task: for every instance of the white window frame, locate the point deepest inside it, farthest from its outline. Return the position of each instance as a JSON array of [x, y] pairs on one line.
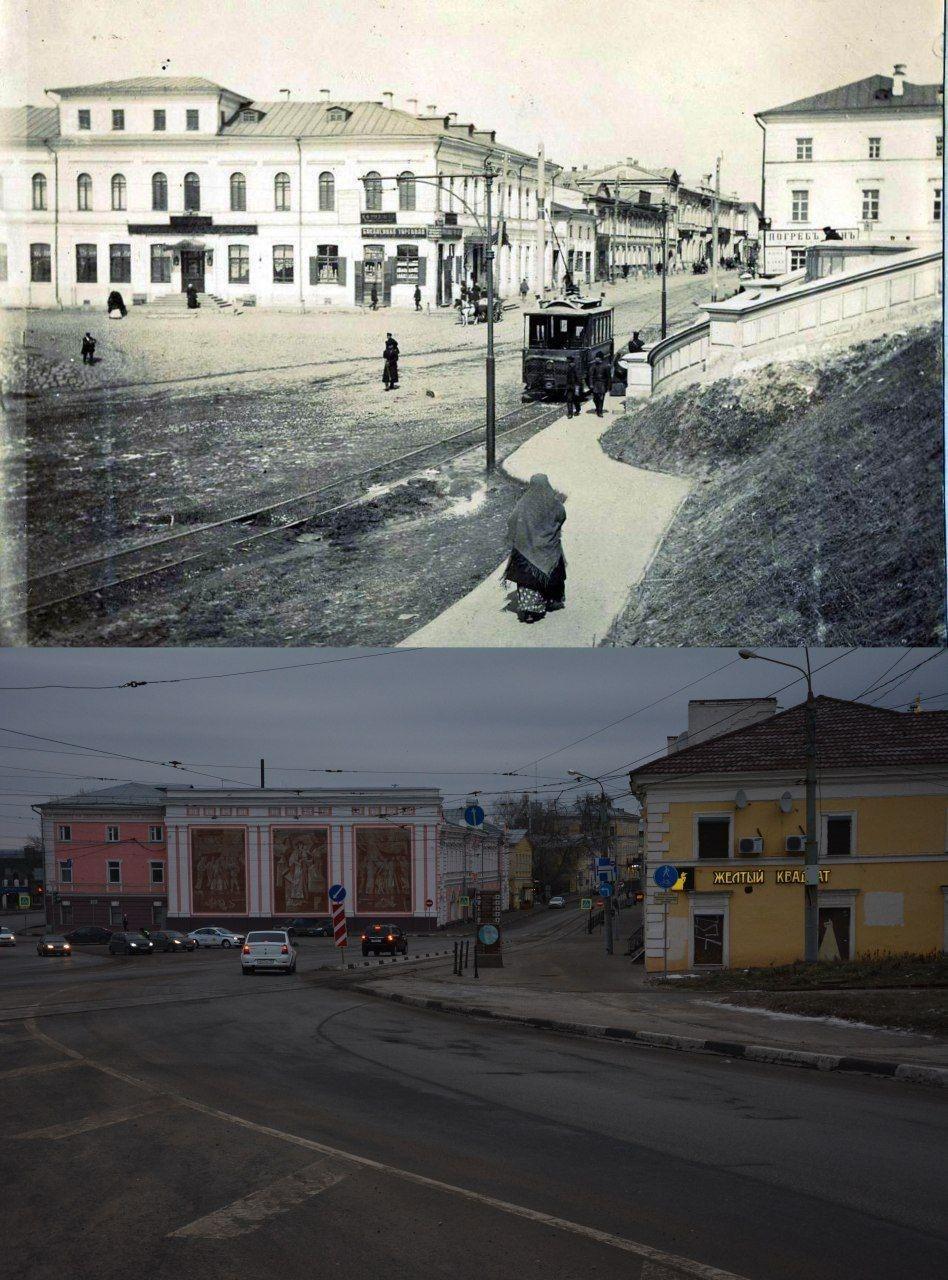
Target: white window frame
[[113, 862], [154, 865], [65, 832], [109, 838], [875, 148], [65, 872], [838, 813], [153, 838], [709, 904], [867, 202], [803, 204], [796, 250], [804, 148], [718, 815]]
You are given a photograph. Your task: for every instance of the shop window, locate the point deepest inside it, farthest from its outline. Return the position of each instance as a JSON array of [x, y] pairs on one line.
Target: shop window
[[373, 192], [159, 191], [326, 267], [406, 191], [870, 204], [192, 120], [281, 192], [406, 263], [119, 191], [159, 121], [65, 872], [238, 264], [708, 936], [120, 264], [800, 205], [155, 834], [327, 193], [118, 120], [41, 265], [238, 192], [804, 148], [84, 192], [797, 259], [157, 872], [39, 191], [875, 148], [114, 872], [160, 264], [87, 271], [192, 193], [282, 264], [839, 837], [714, 837], [112, 835], [85, 118], [835, 933]]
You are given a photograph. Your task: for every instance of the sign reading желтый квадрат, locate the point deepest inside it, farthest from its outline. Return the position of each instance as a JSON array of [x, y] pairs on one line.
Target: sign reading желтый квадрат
[[782, 875]]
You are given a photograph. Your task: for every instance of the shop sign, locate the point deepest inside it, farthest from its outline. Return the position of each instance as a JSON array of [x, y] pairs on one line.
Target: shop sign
[[785, 875], [394, 233], [792, 236], [797, 875], [445, 233], [378, 218]]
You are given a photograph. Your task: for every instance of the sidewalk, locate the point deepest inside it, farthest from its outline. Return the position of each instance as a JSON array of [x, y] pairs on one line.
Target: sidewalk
[[579, 990], [616, 516]]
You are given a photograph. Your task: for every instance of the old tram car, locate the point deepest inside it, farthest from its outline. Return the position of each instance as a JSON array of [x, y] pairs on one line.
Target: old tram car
[[556, 331]]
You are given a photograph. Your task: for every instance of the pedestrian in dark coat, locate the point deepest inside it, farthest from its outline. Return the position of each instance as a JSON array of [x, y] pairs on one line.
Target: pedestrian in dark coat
[[635, 342], [599, 383], [537, 564], [573, 389], [390, 356], [374, 295], [116, 303], [192, 297], [88, 349], [417, 297], [125, 923]]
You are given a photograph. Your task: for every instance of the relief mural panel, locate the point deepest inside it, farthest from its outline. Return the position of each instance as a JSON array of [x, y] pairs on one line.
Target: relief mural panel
[[218, 871], [383, 870], [300, 871]]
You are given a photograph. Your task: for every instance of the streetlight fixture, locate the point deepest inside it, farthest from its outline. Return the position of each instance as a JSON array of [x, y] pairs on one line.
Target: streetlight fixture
[[604, 837], [489, 173], [811, 909]]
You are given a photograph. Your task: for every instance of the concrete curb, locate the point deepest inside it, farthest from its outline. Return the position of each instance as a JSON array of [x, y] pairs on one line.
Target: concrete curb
[[916, 1073]]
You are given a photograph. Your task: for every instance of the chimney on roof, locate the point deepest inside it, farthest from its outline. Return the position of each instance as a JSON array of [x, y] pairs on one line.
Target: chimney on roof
[[413, 104], [432, 108], [898, 80], [387, 99], [452, 116], [324, 95]]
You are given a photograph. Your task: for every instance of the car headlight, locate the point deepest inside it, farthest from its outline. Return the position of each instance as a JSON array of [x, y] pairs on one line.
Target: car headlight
[[133, 944]]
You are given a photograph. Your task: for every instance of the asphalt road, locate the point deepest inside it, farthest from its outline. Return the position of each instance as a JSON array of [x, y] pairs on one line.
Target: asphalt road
[[215, 1126]]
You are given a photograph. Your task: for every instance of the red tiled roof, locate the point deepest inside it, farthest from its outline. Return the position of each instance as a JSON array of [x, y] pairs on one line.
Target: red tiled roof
[[872, 94], [848, 734]]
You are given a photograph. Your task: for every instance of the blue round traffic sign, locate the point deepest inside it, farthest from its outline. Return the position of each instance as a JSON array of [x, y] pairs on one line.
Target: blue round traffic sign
[[605, 889], [665, 875], [337, 893], [474, 815], [488, 934]]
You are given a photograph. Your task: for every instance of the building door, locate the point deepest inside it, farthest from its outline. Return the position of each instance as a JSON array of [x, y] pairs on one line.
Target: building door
[[835, 933], [708, 938], [192, 269], [65, 914], [373, 262], [159, 915]]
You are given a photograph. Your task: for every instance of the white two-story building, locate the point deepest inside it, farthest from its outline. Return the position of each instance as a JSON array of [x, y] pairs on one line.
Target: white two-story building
[[864, 159], [150, 184]]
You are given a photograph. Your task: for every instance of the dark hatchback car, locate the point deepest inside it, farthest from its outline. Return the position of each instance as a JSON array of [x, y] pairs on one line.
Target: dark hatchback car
[[53, 944], [307, 928], [130, 944], [89, 933], [172, 940], [384, 937]]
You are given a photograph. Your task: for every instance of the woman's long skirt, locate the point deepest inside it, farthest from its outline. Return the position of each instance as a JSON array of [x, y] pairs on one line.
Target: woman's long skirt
[[537, 592]]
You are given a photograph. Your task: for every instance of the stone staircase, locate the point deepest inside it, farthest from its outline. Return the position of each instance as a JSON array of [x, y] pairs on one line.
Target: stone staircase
[[175, 302]]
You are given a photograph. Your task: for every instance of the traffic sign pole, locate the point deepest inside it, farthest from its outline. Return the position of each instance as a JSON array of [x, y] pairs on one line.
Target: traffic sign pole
[[337, 898]]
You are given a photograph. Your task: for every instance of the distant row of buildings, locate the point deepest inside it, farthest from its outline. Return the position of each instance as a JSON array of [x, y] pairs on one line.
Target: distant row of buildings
[[152, 184]]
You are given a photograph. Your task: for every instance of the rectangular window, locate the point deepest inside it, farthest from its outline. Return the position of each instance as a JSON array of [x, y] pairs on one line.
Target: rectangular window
[[800, 205], [41, 264], [936, 205], [282, 264], [875, 148], [118, 120], [87, 271], [112, 835], [797, 259], [65, 872], [85, 118], [406, 263], [120, 263], [327, 264], [839, 837], [192, 123], [804, 148], [159, 121], [157, 872], [65, 832], [3, 262], [155, 834], [238, 264], [714, 837], [160, 264], [870, 204], [114, 875], [940, 145]]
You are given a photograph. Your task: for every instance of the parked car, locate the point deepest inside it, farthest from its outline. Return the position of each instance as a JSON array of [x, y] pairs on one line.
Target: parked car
[[384, 937], [130, 944], [268, 949], [53, 944], [171, 940], [211, 935], [89, 933], [556, 901], [7, 936], [307, 928]]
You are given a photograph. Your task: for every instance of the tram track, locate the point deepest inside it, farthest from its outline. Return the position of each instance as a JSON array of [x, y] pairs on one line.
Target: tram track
[[42, 593]]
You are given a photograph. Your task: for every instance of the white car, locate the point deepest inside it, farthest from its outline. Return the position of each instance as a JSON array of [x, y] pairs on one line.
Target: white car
[[557, 901], [212, 936], [7, 936], [268, 949]]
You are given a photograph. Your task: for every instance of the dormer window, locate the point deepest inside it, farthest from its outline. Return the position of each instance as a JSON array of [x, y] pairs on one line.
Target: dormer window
[[338, 115], [250, 115]]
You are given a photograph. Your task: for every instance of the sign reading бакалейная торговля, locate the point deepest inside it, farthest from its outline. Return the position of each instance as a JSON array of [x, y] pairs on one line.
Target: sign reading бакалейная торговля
[[782, 875]]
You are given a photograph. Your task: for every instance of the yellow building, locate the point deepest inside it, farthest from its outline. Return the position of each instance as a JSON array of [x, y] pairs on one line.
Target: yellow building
[[521, 869], [730, 813]]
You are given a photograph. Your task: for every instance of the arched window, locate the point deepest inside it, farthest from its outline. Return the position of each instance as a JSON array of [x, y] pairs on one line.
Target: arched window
[[159, 191], [39, 191], [327, 193], [84, 191], [118, 191], [238, 191], [192, 192], [373, 191], [406, 190], [281, 192]]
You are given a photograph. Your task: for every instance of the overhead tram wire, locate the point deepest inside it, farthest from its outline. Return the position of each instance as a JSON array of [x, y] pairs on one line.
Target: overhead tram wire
[[899, 660]]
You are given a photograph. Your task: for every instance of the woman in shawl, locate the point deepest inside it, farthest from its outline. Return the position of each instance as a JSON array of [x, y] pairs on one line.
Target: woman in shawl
[[537, 564]]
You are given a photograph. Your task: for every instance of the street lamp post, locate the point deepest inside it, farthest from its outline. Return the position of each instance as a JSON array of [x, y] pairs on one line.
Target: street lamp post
[[664, 268], [811, 908], [604, 844]]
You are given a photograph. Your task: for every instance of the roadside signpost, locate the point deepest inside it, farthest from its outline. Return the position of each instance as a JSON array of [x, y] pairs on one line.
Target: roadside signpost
[[605, 889], [665, 877], [337, 897], [24, 901], [474, 815], [586, 904]]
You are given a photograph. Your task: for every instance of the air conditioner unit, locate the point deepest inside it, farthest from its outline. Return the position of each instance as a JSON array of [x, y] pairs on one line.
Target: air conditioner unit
[[795, 844], [750, 845]]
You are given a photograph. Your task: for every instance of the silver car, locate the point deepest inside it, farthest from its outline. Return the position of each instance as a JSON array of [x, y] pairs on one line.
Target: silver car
[[268, 949], [211, 935], [7, 936]]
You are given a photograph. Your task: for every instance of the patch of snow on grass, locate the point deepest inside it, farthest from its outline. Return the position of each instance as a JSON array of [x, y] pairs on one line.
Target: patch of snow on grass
[[826, 1019]]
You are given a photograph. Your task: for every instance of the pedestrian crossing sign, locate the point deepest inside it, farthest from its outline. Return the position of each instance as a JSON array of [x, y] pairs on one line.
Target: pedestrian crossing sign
[[464, 901], [586, 904]]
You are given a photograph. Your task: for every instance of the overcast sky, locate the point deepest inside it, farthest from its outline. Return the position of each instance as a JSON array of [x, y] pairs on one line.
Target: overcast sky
[[446, 718], [667, 82]]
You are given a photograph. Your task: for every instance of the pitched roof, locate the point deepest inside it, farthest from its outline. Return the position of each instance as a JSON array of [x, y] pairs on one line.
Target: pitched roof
[[131, 794], [148, 84], [848, 735], [516, 835], [310, 119], [28, 124], [872, 94]]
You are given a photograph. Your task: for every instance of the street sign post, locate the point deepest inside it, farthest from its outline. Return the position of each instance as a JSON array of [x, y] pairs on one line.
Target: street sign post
[[25, 901], [586, 904], [665, 876], [474, 815], [606, 889], [337, 897]]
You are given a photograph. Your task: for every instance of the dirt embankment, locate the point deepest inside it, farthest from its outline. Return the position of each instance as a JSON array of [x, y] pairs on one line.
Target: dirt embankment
[[818, 513]]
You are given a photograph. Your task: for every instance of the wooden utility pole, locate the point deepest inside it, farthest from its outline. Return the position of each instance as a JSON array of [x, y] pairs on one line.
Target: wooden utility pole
[[539, 275], [715, 251]]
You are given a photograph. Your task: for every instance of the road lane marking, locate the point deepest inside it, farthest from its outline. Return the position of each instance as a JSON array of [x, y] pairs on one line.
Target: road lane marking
[[88, 1124], [250, 1212], [685, 1266], [35, 1071]]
